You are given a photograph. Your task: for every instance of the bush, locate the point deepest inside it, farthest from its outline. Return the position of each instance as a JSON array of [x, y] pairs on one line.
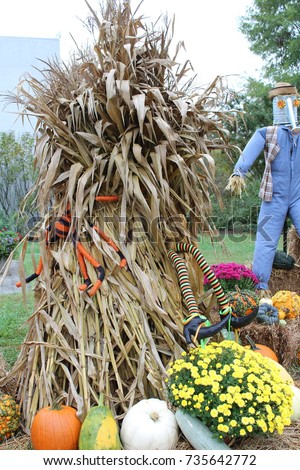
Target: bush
[[8, 241], [238, 215]]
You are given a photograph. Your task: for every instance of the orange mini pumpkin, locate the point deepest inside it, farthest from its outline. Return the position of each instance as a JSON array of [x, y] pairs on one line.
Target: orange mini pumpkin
[[261, 349], [55, 428]]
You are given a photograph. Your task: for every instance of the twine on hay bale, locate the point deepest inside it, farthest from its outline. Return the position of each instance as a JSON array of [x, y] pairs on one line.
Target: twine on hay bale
[[284, 340]]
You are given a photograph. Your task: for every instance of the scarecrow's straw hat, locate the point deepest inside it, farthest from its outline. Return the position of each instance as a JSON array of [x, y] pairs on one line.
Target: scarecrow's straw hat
[[282, 88]]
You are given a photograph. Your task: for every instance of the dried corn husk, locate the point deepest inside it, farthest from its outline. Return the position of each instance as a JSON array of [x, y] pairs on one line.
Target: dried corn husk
[[116, 121]]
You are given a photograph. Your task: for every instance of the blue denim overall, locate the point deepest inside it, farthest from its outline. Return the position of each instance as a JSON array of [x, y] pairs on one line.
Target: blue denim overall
[[285, 199]]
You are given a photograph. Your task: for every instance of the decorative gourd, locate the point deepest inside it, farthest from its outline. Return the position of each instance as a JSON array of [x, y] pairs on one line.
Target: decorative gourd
[[9, 416], [149, 425], [265, 300], [283, 261], [242, 301], [261, 349], [285, 376], [99, 430], [267, 313], [197, 434], [55, 427], [287, 304], [296, 403]]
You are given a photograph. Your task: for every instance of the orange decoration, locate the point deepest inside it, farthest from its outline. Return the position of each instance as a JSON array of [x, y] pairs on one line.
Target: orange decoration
[[281, 104], [261, 349], [55, 428]]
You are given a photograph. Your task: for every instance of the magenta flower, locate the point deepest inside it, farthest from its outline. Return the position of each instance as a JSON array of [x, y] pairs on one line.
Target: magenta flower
[[233, 275]]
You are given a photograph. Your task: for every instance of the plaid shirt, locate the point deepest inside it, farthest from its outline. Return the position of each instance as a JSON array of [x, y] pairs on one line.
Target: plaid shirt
[[271, 150]]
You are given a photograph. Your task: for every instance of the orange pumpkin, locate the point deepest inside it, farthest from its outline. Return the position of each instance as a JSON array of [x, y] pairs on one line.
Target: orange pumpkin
[[261, 349], [55, 428]]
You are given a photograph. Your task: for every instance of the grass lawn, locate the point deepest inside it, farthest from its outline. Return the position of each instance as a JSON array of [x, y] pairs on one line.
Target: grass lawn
[[232, 248], [13, 314], [33, 249]]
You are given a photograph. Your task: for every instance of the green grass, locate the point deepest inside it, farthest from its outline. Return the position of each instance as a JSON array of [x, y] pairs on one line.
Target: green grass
[[13, 314], [230, 248], [32, 249]]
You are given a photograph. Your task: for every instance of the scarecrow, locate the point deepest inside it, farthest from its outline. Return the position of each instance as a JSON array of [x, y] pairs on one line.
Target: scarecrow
[[280, 184]]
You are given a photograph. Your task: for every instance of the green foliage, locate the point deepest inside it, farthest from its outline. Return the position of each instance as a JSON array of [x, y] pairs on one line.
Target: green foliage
[[237, 215], [272, 28], [8, 242]]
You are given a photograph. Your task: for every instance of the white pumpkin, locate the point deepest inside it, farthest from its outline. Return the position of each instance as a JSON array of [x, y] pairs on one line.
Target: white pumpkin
[[265, 300], [296, 403], [149, 425]]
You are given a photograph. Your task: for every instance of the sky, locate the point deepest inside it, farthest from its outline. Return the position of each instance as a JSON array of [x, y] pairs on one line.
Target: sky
[[209, 29]]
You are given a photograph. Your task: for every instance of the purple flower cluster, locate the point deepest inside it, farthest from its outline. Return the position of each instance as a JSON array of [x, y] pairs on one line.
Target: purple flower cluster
[[233, 275]]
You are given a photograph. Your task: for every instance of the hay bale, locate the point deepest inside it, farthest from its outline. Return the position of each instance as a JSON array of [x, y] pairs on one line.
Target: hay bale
[[20, 441], [288, 440], [281, 279], [11, 385], [283, 339]]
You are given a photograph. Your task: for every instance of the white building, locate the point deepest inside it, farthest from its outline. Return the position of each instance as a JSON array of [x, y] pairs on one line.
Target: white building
[[19, 56]]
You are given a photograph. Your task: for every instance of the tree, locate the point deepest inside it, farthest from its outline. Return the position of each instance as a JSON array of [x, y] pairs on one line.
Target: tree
[[273, 29], [16, 171]]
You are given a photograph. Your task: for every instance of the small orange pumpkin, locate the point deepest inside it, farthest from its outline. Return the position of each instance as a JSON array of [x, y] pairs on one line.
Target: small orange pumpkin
[[261, 349], [55, 428]]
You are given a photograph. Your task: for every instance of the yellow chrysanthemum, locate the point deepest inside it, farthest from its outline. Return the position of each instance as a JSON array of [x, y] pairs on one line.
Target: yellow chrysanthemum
[[236, 391]]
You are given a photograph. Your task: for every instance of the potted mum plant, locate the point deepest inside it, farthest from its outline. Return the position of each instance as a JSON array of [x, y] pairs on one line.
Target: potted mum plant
[[231, 390], [233, 276]]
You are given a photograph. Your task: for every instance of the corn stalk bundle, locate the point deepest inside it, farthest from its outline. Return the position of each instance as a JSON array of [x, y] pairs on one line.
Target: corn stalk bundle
[[116, 121]]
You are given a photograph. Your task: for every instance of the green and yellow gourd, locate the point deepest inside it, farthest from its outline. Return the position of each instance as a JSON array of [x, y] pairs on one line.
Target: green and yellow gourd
[[99, 430], [242, 301], [9, 416]]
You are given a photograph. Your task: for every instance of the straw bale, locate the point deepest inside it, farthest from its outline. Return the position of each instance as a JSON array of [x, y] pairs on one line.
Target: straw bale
[[284, 340], [282, 279], [10, 386], [20, 441], [288, 440]]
